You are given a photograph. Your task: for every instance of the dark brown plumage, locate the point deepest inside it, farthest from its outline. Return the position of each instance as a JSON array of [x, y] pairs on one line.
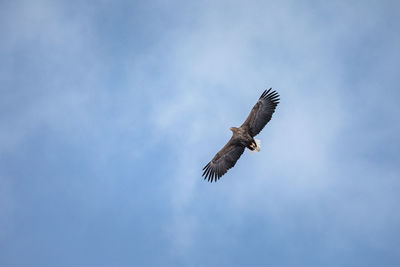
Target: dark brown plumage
[[243, 136]]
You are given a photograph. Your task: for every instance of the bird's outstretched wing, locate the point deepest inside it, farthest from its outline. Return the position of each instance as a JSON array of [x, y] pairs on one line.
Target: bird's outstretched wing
[[225, 159], [262, 112]]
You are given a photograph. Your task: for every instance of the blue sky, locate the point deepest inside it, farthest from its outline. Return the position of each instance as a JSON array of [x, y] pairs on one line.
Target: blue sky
[[110, 109]]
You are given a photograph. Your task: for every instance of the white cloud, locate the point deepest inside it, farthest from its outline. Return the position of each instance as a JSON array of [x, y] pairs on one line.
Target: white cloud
[[198, 79], [222, 66]]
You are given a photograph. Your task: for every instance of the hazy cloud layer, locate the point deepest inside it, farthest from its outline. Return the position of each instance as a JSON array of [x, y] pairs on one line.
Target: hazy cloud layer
[[109, 111]]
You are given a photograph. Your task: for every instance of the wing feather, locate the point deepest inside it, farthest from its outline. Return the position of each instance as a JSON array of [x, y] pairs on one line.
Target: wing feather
[[225, 159], [262, 112]]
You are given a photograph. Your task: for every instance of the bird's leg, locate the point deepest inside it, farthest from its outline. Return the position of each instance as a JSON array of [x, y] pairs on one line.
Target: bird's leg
[[255, 145]]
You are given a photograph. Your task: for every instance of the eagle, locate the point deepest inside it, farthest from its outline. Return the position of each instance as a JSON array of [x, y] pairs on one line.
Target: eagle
[[243, 137]]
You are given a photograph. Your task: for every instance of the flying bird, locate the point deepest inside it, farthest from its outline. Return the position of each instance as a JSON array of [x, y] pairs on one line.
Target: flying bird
[[243, 137]]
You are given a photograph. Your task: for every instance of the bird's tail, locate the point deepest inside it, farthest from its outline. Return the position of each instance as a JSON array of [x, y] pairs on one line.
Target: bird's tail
[[258, 147]]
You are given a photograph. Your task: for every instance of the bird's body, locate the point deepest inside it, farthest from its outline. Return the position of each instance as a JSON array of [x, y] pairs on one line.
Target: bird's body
[[243, 137]]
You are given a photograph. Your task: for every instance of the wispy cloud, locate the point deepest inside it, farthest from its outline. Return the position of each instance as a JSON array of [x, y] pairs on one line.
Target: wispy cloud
[[223, 65], [112, 110]]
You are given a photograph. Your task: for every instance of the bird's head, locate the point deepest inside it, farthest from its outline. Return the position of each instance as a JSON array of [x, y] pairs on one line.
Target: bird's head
[[233, 129]]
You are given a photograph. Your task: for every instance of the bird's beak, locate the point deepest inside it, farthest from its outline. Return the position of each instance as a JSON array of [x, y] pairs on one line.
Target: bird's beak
[[230, 128]]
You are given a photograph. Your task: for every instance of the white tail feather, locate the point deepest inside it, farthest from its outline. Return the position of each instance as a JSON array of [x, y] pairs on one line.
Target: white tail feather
[[258, 147]]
